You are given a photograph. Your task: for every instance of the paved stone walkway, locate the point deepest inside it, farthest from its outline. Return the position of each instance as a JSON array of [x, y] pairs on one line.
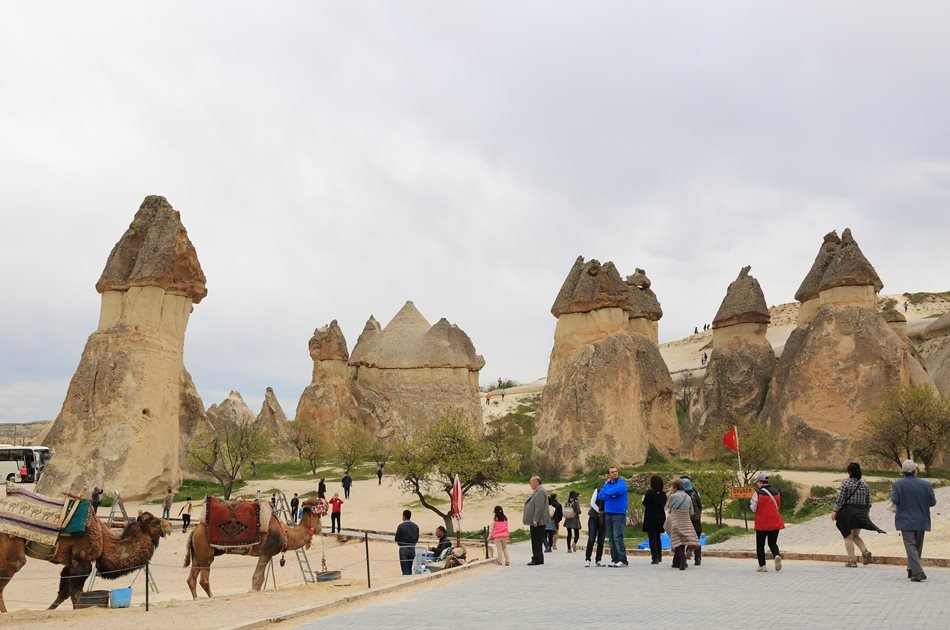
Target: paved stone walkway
[[722, 593]]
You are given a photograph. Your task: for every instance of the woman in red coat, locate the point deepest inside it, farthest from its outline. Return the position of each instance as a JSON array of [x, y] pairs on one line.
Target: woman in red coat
[[768, 521]]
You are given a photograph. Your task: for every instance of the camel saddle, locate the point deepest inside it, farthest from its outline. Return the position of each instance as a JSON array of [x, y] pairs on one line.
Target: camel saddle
[[232, 523], [39, 518]]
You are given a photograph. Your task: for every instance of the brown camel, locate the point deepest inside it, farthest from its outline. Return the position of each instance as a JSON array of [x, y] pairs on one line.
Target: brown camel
[[113, 555], [278, 538]]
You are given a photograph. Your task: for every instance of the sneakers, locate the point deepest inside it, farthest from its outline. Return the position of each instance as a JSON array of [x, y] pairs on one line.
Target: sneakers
[[620, 565], [866, 557], [918, 577], [600, 564], [586, 563], [778, 563], [762, 569], [852, 564]]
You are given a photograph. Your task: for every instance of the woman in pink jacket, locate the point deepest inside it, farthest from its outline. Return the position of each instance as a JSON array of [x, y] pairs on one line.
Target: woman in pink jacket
[[500, 534]]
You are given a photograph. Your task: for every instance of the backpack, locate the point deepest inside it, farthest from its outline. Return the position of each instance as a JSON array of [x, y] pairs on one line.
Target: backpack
[[697, 513], [569, 511]]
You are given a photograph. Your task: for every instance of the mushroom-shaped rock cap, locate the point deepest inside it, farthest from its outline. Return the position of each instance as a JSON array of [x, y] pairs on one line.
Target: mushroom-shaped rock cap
[[939, 327], [155, 252], [590, 286], [849, 267], [809, 288], [891, 316], [329, 344], [641, 300], [744, 303], [447, 345]]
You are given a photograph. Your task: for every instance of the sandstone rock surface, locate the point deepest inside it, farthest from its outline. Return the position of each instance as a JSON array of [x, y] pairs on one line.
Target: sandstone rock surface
[[744, 303], [608, 391], [120, 422], [276, 426], [327, 400], [935, 352]]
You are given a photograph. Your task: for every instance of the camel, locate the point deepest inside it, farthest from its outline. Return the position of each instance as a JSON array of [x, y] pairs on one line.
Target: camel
[[278, 539], [113, 555]]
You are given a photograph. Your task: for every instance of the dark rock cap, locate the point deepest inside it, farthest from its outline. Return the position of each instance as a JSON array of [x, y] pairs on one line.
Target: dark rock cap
[[590, 286], [155, 251], [329, 344], [641, 301], [849, 268], [891, 316], [809, 288], [744, 303], [939, 327]]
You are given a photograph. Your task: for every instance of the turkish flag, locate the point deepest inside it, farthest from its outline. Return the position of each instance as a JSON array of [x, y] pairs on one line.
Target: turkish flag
[[731, 440]]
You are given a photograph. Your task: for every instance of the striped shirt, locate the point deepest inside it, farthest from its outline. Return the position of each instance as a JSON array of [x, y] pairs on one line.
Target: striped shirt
[[853, 492]]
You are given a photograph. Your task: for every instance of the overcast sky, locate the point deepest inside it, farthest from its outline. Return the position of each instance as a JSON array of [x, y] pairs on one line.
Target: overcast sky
[[332, 160]]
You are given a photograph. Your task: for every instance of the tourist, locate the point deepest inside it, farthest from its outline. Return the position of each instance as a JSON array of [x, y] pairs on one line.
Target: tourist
[[654, 504], [185, 514], [766, 503], [851, 514], [379, 474], [336, 504], [679, 524], [536, 517], [488, 398], [407, 535], [596, 529], [294, 508], [695, 331], [556, 512], [347, 482], [696, 516], [905, 307], [273, 503], [499, 535], [322, 489], [913, 497], [96, 499], [167, 504], [444, 542], [502, 395], [572, 520], [614, 494]]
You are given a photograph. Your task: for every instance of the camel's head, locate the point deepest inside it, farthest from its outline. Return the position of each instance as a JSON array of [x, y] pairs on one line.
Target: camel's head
[[315, 508], [156, 528]]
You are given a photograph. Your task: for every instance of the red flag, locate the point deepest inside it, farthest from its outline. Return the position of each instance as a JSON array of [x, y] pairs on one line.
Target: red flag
[[731, 440]]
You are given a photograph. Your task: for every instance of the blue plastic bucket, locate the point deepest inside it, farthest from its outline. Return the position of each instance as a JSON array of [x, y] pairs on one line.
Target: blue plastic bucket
[[120, 598]]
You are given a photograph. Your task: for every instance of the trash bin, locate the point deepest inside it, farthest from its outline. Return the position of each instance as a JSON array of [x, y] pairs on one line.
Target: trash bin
[[93, 599]]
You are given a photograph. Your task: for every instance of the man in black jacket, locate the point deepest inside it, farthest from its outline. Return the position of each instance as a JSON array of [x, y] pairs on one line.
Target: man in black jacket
[[294, 507], [407, 535]]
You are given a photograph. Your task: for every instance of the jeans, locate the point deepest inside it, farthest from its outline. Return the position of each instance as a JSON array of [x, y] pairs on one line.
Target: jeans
[[537, 539], [406, 556], [165, 512], [760, 538], [595, 531], [914, 547], [346, 492], [615, 524], [185, 522], [656, 548], [334, 522]]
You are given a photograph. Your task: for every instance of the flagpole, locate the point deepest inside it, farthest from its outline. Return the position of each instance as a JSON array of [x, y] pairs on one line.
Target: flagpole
[[738, 450]]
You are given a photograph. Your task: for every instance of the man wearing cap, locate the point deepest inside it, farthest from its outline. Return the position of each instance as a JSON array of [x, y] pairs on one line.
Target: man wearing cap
[[766, 503], [913, 497]]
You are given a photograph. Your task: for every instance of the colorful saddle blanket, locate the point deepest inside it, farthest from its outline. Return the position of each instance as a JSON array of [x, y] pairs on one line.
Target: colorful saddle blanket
[[232, 523], [40, 518]]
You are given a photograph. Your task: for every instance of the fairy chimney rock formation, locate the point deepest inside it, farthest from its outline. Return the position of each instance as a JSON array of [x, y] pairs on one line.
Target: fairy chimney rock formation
[[839, 359], [935, 352], [411, 372], [276, 427], [327, 400], [121, 418], [740, 364], [896, 321], [230, 411], [608, 390]]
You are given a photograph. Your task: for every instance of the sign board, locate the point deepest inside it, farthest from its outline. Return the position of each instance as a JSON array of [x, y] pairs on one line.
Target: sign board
[[741, 492]]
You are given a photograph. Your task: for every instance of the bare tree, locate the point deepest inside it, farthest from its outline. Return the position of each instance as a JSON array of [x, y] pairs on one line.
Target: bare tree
[[686, 389], [353, 444], [310, 441], [226, 450]]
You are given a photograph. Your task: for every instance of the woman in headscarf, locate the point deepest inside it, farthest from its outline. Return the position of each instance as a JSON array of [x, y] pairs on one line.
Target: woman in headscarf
[[679, 525], [851, 514]]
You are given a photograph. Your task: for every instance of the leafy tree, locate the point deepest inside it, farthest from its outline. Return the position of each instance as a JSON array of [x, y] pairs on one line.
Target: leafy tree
[[761, 449], [353, 444], [426, 461], [908, 422], [309, 439], [714, 483], [227, 449]]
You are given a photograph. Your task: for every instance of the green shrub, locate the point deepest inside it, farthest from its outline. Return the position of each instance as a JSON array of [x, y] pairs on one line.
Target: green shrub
[[822, 491], [597, 464], [788, 490], [654, 456]]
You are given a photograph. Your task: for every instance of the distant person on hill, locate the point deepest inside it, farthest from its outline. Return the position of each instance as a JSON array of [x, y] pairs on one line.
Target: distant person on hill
[[572, 520], [851, 514], [322, 489], [913, 497], [536, 516], [185, 514], [499, 381], [695, 516], [654, 516], [488, 398], [336, 504], [379, 474], [679, 525], [502, 395], [696, 330], [407, 535], [766, 503], [499, 535], [595, 529], [905, 307], [96, 499], [294, 507], [347, 482], [614, 494], [167, 504]]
